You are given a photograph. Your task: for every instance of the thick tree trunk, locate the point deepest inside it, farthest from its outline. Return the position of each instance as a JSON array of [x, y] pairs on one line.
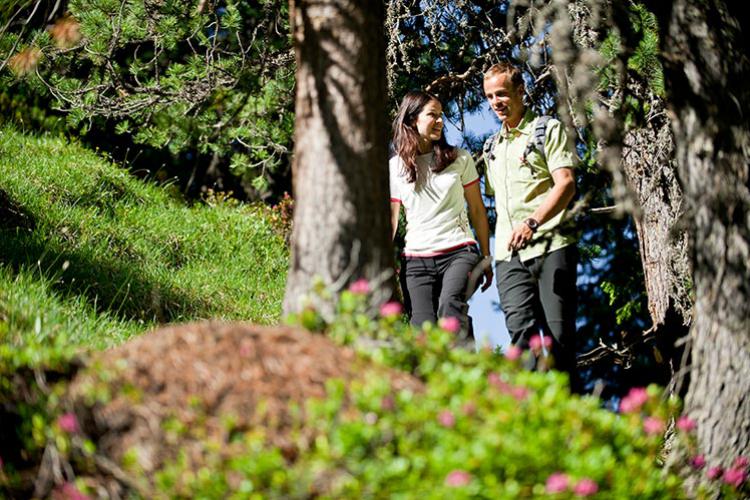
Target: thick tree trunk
[[649, 170], [341, 222], [707, 74], [651, 174]]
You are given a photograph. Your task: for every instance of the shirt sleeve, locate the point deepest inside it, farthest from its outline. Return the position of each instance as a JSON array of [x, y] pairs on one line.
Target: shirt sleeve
[[556, 147], [393, 167], [469, 173]]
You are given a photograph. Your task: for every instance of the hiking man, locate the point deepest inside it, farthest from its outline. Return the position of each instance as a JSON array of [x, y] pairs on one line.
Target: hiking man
[[530, 170]]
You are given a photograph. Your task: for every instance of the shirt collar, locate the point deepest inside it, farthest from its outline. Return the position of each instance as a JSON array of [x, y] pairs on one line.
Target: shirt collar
[[524, 126]]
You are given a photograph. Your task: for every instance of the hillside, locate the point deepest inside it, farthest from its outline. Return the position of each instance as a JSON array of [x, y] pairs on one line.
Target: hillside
[[89, 252]]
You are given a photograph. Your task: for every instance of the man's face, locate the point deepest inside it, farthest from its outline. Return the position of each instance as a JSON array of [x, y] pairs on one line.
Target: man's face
[[505, 99]]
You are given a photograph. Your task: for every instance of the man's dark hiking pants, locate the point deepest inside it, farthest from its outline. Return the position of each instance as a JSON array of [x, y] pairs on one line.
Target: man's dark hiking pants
[[541, 293]]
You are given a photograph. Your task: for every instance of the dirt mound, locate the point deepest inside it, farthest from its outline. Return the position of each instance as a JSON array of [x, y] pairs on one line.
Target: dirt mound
[[180, 387]]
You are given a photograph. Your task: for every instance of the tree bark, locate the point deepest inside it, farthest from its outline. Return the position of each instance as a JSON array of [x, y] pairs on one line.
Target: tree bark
[[707, 71], [341, 224], [650, 172]]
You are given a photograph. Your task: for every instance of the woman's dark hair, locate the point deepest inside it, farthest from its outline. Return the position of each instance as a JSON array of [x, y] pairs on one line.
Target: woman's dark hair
[[406, 136]]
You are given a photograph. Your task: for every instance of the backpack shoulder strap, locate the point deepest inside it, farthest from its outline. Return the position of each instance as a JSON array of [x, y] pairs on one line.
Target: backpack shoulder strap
[[489, 146], [537, 139]]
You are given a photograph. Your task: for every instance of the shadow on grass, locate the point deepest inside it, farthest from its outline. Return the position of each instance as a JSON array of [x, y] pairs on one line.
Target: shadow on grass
[[116, 287]]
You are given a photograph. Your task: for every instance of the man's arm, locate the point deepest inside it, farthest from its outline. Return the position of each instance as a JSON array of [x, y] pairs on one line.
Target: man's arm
[[558, 198]]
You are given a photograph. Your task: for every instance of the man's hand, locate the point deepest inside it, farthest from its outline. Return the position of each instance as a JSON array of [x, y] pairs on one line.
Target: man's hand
[[520, 236]]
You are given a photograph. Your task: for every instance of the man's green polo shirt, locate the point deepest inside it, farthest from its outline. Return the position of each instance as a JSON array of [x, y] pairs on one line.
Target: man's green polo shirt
[[520, 188]]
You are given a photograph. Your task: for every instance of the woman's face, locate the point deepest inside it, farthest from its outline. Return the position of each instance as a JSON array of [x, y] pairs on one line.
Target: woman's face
[[429, 121]]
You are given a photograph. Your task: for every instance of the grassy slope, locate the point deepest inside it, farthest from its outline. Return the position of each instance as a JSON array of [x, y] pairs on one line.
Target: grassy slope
[[89, 252]]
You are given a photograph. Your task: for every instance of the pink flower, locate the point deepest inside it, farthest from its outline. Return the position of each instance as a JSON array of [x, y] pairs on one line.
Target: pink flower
[[734, 477], [494, 378], [547, 341], [520, 393], [535, 343], [685, 423], [513, 352], [450, 324], [741, 462], [653, 425], [585, 487], [360, 287], [457, 478], [388, 403], [68, 423], [390, 309], [68, 491], [557, 482], [636, 398], [469, 408], [446, 418], [714, 472], [698, 462], [639, 395]]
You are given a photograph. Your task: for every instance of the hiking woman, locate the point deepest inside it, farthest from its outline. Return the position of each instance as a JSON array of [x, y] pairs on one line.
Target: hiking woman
[[434, 182]]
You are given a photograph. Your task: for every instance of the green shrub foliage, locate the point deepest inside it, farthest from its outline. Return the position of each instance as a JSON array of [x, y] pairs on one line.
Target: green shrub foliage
[[483, 427]]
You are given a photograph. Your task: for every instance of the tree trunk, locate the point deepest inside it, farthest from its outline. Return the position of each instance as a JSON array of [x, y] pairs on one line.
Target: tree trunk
[[650, 172], [707, 74], [341, 218]]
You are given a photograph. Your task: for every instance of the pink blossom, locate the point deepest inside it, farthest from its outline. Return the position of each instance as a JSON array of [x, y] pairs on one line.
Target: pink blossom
[[636, 398], [698, 462], [457, 478], [520, 393], [639, 395], [741, 462], [557, 482], [390, 309], [585, 487], [450, 324], [714, 472], [494, 379], [734, 476], [469, 408], [69, 491], [547, 341], [535, 343], [685, 423], [513, 352], [68, 423], [360, 287], [446, 418], [653, 425], [388, 403]]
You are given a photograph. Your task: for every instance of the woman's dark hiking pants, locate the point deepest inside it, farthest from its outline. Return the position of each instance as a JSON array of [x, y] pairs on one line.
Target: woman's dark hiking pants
[[435, 287]]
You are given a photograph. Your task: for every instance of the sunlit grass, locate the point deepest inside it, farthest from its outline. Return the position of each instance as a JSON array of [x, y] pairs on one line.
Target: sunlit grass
[[101, 255]]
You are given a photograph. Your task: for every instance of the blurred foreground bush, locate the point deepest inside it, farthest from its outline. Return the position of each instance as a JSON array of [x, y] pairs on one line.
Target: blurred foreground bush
[[481, 428]]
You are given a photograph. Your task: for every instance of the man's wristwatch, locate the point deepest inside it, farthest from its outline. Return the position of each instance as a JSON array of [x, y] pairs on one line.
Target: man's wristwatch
[[532, 223]]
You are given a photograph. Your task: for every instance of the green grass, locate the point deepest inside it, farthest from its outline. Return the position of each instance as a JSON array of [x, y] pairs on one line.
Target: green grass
[[92, 253]]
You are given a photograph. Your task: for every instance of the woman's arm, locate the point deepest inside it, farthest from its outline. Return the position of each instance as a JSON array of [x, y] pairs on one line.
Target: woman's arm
[[395, 211], [478, 216]]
